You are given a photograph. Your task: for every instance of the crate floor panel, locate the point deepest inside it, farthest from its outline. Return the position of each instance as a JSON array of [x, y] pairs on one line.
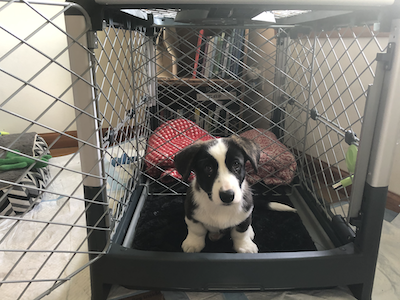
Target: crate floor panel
[[161, 227]]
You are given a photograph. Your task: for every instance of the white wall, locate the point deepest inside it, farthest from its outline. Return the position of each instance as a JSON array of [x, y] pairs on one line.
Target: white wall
[[24, 62]]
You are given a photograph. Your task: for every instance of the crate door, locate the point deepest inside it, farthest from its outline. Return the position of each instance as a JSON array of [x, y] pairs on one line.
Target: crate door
[[60, 214]]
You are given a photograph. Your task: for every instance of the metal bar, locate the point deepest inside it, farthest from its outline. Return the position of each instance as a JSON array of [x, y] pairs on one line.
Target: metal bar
[[307, 105], [84, 98], [366, 140], [280, 81], [53, 223], [292, 3], [132, 226], [387, 125], [91, 157]]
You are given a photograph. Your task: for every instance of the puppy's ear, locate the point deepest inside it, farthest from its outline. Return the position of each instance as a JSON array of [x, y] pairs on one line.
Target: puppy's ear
[[250, 149], [183, 160]]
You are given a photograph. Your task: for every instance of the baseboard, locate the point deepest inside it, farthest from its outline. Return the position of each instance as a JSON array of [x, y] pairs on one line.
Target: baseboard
[[323, 170], [62, 140], [393, 202], [68, 138]]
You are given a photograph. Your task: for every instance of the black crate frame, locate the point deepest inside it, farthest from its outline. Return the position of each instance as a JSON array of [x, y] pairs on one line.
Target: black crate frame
[[192, 272], [355, 251]]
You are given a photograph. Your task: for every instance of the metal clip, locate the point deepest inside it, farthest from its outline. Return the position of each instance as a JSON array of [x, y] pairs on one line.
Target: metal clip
[[387, 57], [358, 221], [92, 40], [350, 137], [314, 114]]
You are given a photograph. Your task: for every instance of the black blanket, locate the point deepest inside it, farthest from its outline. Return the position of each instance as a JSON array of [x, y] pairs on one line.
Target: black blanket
[[161, 227]]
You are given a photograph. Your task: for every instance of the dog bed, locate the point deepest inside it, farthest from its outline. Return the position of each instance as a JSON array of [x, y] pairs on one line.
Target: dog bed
[[277, 164], [20, 199], [165, 142], [161, 227]]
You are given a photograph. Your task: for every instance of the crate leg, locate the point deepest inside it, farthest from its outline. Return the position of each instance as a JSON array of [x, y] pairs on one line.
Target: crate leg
[[362, 291], [97, 240], [369, 217], [99, 289], [89, 134], [369, 226]]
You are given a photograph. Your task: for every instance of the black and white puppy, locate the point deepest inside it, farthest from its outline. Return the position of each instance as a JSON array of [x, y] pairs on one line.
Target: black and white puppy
[[218, 199]]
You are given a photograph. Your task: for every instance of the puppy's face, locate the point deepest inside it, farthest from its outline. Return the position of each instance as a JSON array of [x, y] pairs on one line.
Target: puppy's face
[[219, 166], [220, 172]]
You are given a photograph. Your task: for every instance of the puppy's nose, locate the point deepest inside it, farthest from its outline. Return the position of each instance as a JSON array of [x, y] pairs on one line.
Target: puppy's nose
[[227, 196]]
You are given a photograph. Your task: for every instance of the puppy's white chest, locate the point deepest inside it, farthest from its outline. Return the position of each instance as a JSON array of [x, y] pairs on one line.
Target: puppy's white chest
[[218, 216]]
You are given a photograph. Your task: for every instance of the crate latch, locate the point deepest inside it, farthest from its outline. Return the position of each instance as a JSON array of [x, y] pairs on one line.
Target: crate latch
[[357, 221], [314, 114], [387, 57]]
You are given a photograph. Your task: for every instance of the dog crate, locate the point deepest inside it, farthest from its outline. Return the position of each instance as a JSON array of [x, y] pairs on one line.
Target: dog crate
[[124, 86]]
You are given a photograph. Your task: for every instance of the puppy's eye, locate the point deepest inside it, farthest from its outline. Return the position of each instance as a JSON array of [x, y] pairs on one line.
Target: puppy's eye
[[208, 169], [236, 166]]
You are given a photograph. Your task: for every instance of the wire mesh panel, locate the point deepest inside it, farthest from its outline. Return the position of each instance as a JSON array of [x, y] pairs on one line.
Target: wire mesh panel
[[220, 82], [48, 100], [122, 74], [343, 67], [43, 229], [306, 91]]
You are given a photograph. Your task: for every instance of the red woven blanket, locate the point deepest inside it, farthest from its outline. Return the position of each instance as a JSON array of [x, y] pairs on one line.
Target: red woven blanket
[[166, 141], [277, 164]]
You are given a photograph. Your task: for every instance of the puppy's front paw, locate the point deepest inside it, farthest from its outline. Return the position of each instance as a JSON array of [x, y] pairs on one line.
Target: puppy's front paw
[[245, 246], [193, 244], [251, 232]]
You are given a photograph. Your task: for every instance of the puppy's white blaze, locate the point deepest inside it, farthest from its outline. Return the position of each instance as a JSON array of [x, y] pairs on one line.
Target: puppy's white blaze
[[215, 216], [225, 179], [281, 207]]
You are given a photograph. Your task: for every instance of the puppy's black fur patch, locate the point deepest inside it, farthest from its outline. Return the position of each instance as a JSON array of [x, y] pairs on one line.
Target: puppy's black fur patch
[[206, 169], [242, 227], [185, 159], [235, 161], [251, 150]]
